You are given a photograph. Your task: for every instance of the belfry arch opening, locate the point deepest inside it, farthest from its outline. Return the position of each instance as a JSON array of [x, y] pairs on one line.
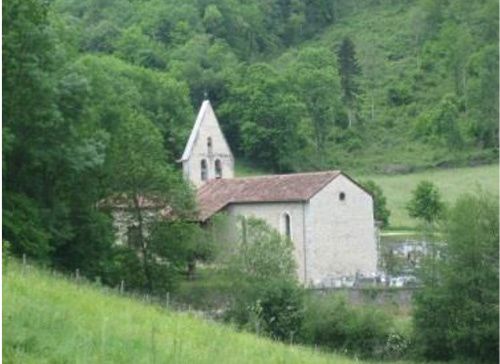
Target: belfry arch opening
[[218, 168]]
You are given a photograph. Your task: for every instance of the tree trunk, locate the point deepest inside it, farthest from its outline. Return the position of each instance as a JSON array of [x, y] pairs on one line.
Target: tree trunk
[[144, 248], [191, 269]]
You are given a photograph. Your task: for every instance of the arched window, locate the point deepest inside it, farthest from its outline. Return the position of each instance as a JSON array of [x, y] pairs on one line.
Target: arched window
[[204, 170], [341, 196], [209, 145], [218, 169], [286, 225]]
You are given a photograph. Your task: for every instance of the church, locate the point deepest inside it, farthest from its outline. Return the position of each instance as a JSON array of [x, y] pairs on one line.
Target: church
[[327, 215]]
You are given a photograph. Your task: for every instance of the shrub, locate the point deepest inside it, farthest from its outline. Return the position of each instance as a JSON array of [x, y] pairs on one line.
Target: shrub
[[397, 346], [331, 323], [23, 226], [281, 309]]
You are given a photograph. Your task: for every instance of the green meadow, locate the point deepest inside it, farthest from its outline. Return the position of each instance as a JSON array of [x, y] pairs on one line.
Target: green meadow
[[51, 319], [451, 183]]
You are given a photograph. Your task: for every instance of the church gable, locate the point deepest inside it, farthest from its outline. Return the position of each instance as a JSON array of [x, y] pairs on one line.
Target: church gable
[[207, 154]]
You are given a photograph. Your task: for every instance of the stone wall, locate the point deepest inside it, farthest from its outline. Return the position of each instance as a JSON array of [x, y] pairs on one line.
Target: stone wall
[[341, 238]]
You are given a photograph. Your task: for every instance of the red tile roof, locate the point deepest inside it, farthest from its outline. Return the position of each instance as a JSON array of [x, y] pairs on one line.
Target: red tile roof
[[216, 194]]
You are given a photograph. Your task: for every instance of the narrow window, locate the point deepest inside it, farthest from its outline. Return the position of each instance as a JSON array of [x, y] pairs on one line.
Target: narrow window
[[218, 169], [341, 196], [209, 145], [204, 170], [286, 225]]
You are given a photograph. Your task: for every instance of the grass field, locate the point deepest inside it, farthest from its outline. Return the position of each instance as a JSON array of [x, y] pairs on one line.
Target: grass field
[[451, 183], [48, 319]]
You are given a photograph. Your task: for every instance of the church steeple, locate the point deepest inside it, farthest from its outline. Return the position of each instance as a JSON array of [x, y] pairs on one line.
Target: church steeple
[[207, 154]]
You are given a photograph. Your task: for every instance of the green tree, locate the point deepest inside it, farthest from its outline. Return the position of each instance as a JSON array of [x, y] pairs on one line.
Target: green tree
[[266, 296], [48, 151], [456, 312], [262, 253], [426, 203], [380, 210], [317, 85], [482, 91], [182, 243], [441, 125], [138, 171], [269, 117], [348, 70]]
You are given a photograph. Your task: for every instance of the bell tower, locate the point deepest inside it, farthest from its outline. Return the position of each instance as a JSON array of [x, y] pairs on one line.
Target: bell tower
[[207, 155]]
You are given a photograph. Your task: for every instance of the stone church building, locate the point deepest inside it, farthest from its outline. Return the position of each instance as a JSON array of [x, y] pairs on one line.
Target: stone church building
[[327, 215]]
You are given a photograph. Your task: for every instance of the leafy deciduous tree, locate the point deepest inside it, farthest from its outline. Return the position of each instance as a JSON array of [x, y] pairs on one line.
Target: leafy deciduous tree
[[138, 170], [380, 210], [456, 312], [426, 203]]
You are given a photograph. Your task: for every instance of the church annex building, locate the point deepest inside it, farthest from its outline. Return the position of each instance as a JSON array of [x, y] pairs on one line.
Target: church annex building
[[327, 215]]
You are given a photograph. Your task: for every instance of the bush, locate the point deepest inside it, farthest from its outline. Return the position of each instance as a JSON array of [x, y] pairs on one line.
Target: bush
[[331, 323], [282, 309], [23, 226]]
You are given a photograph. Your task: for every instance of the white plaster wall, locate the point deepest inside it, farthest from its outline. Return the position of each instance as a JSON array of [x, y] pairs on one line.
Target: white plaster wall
[[272, 214], [220, 150], [341, 234]]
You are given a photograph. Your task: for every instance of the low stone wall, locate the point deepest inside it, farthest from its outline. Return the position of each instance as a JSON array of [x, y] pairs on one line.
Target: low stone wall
[[374, 295]]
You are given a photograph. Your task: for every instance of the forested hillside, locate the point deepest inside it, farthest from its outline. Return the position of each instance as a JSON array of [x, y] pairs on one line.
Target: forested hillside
[[100, 95]]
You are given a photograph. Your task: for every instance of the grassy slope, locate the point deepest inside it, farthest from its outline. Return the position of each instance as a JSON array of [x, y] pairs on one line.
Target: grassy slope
[[385, 52], [451, 182], [385, 38], [47, 319]]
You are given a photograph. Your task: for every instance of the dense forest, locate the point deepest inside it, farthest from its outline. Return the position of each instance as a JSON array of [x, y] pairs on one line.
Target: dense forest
[[100, 95]]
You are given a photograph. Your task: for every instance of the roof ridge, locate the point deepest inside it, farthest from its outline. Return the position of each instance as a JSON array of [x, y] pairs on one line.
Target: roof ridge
[[286, 174]]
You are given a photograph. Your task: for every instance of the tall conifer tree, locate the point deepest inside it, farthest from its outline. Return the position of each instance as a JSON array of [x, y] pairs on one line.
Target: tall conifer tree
[[348, 70]]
